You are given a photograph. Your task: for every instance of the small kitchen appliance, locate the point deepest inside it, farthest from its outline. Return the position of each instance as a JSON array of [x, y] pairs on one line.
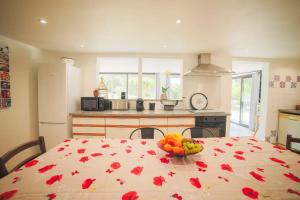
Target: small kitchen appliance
[[89, 103], [139, 105]]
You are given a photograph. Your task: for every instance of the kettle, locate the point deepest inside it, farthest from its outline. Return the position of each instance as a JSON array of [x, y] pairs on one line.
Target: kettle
[[140, 104]]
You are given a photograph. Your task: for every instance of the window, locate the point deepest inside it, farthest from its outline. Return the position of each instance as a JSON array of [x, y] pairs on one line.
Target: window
[[119, 75], [125, 74]]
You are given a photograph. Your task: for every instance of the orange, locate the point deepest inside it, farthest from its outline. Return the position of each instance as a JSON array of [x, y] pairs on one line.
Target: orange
[[168, 147], [178, 150], [162, 141]]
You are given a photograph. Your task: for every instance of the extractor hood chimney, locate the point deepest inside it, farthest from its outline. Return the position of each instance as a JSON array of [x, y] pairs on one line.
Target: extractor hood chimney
[[205, 68]]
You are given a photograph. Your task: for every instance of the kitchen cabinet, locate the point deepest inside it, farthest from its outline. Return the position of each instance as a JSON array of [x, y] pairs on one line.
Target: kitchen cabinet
[[177, 125], [87, 127], [122, 126]]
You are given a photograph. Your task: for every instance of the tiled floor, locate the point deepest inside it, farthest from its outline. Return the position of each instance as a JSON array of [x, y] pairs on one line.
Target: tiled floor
[[236, 130]]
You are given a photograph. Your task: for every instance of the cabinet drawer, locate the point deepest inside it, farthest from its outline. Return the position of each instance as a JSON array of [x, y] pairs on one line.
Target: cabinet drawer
[[88, 136], [121, 122], [187, 122], [153, 121], [100, 130], [83, 121]]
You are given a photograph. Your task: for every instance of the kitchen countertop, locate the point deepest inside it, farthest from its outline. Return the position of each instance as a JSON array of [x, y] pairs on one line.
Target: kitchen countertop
[[290, 111], [148, 113]]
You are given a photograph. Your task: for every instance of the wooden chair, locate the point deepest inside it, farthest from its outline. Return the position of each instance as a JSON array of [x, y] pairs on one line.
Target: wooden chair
[[146, 133], [7, 156], [198, 132], [289, 140]]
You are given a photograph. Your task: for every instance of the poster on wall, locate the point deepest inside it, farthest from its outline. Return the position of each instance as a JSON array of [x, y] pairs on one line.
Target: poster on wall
[[5, 99]]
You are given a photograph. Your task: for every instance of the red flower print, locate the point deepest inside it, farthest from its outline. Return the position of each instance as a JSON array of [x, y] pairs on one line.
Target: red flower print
[[80, 151], [292, 177], [31, 163], [260, 169], [195, 182], [164, 160], [219, 150], [215, 154], [249, 192], [251, 150], [84, 159], [239, 157], [66, 145], [239, 152], [128, 150], [142, 156], [105, 146], [257, 147], [199, 141], [67, 140], [277, 160], [109, 171], [51, 196], [87, 183], [19, 169], [293, 191], [113, 154], [120, 181], [143, 142], [279, 147], [60, 149], [129, 146], [169, 155], [223, 178], [177, 196], [137, 170], [226, 167], [151, 152], [257, 176], [53, 179], [229, 144], [158, 180], [8, 195], [131, 195], [16, 179], [171, 173], [84, 141], [115, 165], [235, 139], [201, 170], [46, 168], [123, 141], [75, 172], [201, 164], [96, 154]]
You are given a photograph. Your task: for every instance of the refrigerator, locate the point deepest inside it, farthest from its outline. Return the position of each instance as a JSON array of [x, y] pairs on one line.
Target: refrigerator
[[59, 92]]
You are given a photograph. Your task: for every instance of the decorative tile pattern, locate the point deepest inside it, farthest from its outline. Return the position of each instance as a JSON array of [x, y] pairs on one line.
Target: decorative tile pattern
[[288, 78], [293, 84], [277, 78], [271, 84], [282, 84]]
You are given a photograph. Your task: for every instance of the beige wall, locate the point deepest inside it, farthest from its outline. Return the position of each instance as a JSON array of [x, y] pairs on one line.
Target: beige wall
[[19, 123]]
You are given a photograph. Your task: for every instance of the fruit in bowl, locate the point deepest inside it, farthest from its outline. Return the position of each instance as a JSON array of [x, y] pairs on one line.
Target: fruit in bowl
[[176, 144]]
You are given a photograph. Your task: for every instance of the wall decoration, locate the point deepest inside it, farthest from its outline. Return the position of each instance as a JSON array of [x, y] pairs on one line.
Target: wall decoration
[[5, 99], [271, 84], [293, 84], [288, 78], [298, 78], [282, 84], [277, 78]]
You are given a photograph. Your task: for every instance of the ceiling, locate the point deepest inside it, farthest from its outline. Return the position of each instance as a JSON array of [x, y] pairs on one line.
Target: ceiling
[[248, 28]]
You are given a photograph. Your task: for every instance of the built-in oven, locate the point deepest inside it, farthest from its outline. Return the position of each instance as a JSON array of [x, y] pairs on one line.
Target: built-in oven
[[210, 126]]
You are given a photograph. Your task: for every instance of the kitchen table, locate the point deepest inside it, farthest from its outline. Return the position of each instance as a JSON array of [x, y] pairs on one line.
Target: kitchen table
[[109, 169]]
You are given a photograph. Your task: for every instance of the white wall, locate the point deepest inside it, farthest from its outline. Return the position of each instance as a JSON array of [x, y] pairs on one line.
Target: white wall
[[19, 123]]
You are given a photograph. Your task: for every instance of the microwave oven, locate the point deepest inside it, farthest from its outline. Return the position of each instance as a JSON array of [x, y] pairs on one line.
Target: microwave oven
[[95, 104]]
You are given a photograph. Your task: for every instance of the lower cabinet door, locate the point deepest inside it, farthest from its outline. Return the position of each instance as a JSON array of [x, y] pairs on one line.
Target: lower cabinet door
[[178, 125], [120, 127], [119, 132]]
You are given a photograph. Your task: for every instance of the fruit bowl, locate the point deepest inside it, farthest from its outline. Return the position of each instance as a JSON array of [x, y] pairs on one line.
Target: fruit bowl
[[175, 144]]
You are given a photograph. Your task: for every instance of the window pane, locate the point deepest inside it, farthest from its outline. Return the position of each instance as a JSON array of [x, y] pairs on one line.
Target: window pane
[[149, 86], [175, 90], [115, 83], [132, 86], [235, 100]]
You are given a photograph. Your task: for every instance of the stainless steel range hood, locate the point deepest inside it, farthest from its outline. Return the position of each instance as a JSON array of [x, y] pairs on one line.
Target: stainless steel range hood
[[205, 68]]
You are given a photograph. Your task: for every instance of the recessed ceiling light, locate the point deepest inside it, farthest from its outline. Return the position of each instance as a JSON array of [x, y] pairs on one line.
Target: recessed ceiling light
[[43, 21], [178, 21], [81, 46]]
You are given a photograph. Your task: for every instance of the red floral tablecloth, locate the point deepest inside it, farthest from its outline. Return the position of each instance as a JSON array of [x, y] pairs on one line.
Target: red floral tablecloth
[[228, 168]]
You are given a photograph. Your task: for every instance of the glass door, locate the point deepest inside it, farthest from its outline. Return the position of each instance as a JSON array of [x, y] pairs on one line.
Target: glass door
[[241, 100]]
